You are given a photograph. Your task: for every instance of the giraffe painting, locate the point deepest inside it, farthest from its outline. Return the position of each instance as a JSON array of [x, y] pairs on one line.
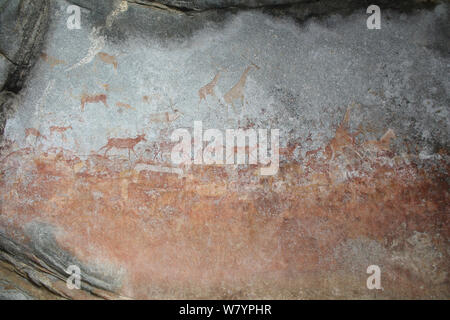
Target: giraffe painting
[[237, 91], [208, 89]]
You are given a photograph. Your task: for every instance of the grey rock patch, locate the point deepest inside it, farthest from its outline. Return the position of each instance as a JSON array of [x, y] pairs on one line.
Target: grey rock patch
[[9, 292], [309, 75], [46, 249], [20, 45], [4, 67], [44, 252], [23, 40]]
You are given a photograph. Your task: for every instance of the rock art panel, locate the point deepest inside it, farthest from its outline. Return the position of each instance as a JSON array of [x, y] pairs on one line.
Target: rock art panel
[[87, 176]]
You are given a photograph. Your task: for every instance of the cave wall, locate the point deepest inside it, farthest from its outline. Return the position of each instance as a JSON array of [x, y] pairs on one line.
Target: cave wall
[[87, 177]]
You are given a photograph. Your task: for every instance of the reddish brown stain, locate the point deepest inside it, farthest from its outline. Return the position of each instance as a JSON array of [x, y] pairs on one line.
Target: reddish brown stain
[[17, 152], [219, 225]]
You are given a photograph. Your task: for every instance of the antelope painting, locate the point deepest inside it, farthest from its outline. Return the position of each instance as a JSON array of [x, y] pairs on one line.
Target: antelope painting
[[51, 60], [106, 58], [85, 98], [166, 116], [124, 105], [60, 130], [34, 132], [383, 143], [150, 98], [123, 143]]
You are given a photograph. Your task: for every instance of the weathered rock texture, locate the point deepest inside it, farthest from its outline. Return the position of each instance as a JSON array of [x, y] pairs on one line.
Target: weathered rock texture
[[364, 157]]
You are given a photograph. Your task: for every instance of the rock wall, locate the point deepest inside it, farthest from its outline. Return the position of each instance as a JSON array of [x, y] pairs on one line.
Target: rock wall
[[87, 176]]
